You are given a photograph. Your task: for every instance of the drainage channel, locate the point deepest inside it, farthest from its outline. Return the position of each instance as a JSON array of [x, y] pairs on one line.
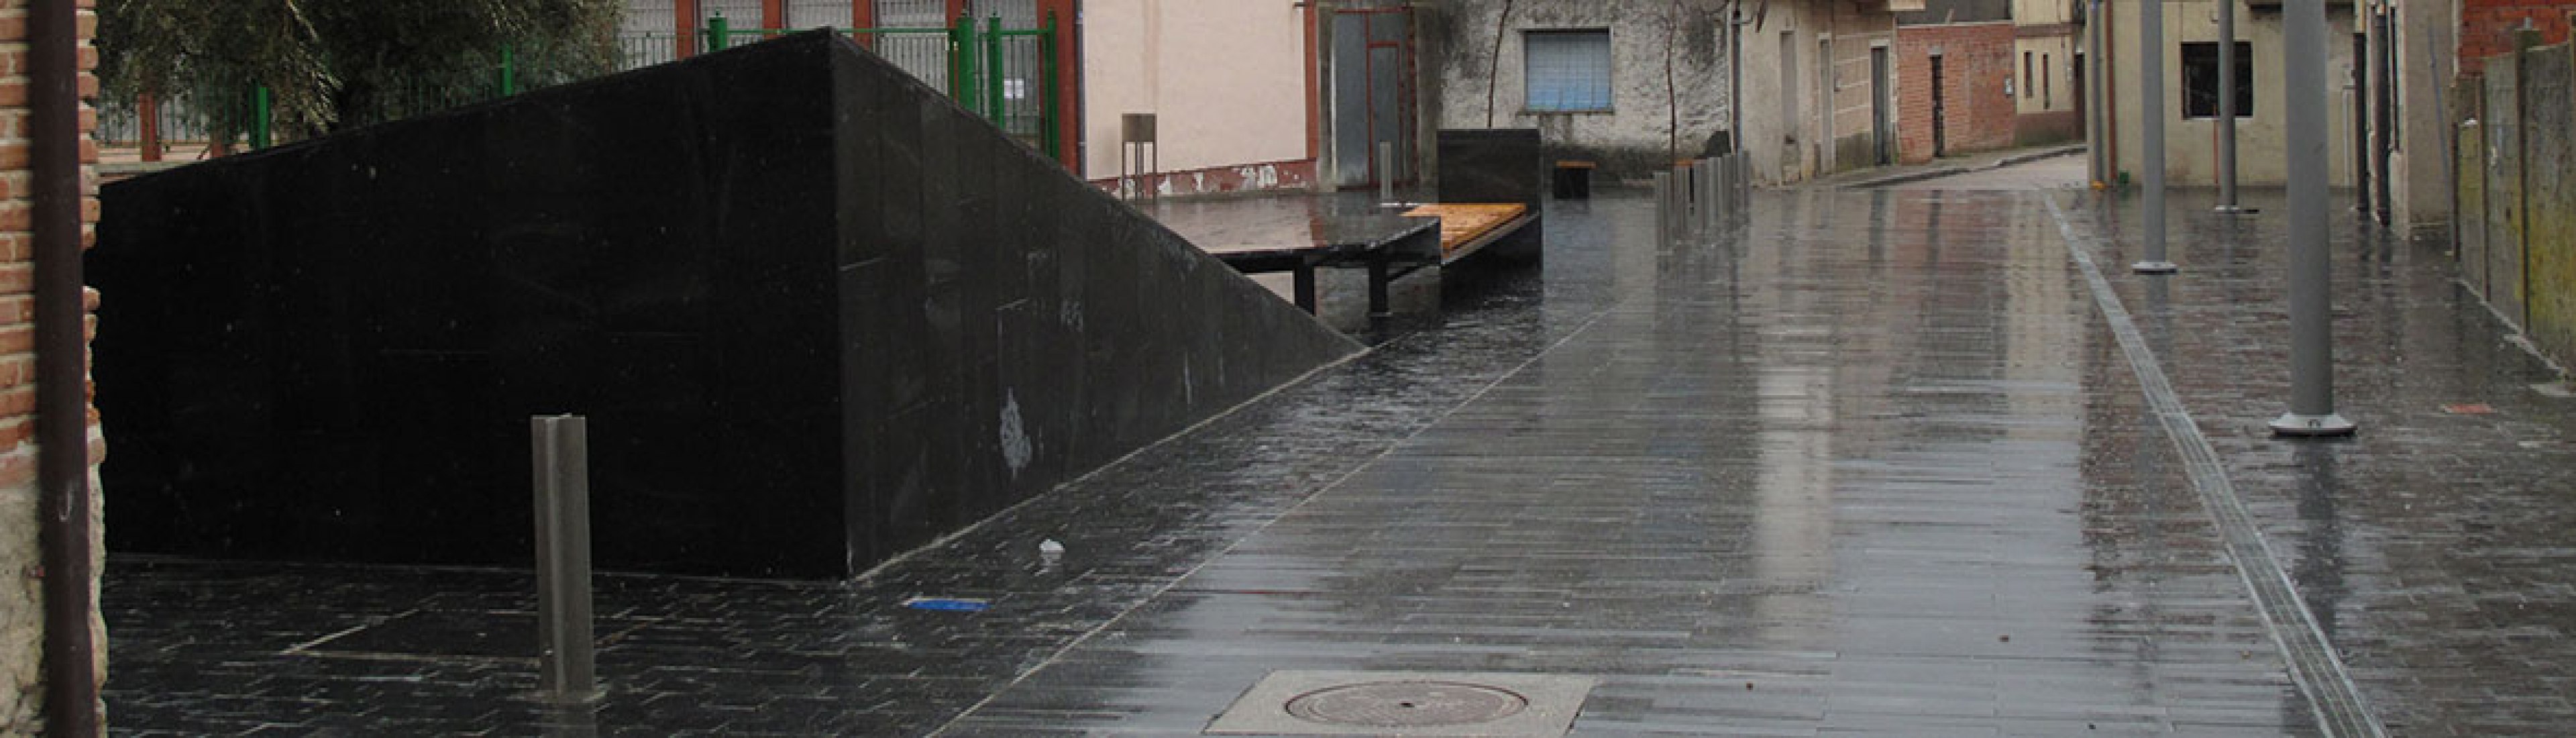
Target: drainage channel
[[2313, 664]]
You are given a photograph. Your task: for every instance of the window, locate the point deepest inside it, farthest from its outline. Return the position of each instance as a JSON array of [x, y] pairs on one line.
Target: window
[[1568, 71], [2026, 81], [2047, 86], [2200, 79]]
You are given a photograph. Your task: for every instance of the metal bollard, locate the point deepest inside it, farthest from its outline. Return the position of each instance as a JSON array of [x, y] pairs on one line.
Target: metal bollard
[[1717, 197], [1714, 202], [561, 452], [1663, 208], [1386, 172]]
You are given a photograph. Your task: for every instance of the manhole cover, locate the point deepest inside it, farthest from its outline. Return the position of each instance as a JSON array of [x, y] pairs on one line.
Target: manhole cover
[[1418, 704], [1411, 704]]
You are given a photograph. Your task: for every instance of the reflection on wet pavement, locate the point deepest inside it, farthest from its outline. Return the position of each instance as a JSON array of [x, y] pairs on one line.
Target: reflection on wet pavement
[[1870, 464]]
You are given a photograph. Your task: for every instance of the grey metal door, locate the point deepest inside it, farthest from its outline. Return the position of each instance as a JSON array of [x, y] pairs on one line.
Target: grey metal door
[[1372, 93]]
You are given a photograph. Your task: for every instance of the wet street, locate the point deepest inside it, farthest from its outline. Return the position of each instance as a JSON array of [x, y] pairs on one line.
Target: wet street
[[1919, 461]]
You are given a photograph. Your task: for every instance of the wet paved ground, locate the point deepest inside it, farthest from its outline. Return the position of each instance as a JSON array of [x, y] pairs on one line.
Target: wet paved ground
[[1872, 463]]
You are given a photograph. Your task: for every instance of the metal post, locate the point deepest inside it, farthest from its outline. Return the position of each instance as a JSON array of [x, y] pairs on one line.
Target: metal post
[[1683, 197], [1712, 205], [1663, 208], [996, 106], [55, 193], [2227, 107], [2097, 80], [2383, 121], [561, 451], [2151, 107], [260, 131], [509, 71], [1386, 172], [2312, 411], [1053, 138]]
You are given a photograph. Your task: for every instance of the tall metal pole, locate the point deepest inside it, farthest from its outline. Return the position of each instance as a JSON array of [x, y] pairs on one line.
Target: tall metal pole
[[62, 369], [2312, 411], [2151, 107], [2098, 153], [2227, 107], [1735, 76]]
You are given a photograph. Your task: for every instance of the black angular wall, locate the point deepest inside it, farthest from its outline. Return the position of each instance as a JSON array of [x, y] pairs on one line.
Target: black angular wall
[[816, 314]]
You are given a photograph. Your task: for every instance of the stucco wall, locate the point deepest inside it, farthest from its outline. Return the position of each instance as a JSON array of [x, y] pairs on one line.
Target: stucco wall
[[2191, 144], [1669, 77], [1226, 78]]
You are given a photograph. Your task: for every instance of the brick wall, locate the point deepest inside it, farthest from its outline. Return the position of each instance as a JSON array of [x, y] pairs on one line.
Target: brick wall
[[2487, 26], [1976, 58], [21, 601]]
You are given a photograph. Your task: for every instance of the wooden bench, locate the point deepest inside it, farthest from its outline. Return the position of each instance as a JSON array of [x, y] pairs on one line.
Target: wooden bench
[[1466, 228]]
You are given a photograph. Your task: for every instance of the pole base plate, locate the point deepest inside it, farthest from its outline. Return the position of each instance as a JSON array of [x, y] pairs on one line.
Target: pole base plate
[[2312, 426], [2154, 267]]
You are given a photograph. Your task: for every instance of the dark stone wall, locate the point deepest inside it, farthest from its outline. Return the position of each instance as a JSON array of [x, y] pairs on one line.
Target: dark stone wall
[[816, 314], [1492, 165]]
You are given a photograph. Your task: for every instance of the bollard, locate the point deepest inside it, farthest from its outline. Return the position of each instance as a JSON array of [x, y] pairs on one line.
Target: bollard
[[1723, 169], [1386, 172], [1717, 195], [2227, 109], [1663, 208], [2151, 108], [2312, 410], [561, 452]]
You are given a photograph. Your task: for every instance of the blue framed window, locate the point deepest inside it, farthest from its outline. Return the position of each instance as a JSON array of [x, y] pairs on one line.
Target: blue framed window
[[1567, 71]]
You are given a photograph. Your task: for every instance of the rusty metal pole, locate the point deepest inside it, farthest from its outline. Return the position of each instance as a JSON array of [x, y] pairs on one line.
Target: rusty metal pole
[[62, 367]]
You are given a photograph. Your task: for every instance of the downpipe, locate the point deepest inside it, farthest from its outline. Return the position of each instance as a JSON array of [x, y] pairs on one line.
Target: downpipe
[[62, 385]]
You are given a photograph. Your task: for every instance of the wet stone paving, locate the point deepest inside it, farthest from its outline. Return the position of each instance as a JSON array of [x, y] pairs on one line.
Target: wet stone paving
[[1871, 463]]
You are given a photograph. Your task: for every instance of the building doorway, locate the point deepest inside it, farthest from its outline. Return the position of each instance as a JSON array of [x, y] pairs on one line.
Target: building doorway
[[1882, 128], [1372, 93], [1940, 112]]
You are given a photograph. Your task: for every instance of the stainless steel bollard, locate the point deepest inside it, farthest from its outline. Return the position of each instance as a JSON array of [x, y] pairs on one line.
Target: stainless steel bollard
[[1386, 172], [560, 447], [1663, 208]]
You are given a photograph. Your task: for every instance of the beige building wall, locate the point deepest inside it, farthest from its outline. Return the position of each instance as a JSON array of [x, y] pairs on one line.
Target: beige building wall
[[2048, 36], [1226, 78], [2050, 85], [2191, 144], [1788, 133], [2426, 48]]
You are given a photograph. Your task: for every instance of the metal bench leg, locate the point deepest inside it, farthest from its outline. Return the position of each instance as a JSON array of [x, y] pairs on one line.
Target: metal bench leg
[[1377, 287], [1304, 293]]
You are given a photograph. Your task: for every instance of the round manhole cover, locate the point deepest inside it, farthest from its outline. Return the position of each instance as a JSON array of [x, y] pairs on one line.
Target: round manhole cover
[[1412, 704]]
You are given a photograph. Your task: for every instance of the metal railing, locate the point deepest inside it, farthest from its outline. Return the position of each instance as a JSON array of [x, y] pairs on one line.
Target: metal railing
[[1008, 76]]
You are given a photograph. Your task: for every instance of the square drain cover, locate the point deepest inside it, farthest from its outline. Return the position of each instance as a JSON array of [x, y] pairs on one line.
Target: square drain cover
[[1406, 703]]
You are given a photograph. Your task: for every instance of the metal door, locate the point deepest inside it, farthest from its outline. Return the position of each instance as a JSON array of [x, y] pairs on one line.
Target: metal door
[[1940, 113], [1882, 130], [1372, 93]]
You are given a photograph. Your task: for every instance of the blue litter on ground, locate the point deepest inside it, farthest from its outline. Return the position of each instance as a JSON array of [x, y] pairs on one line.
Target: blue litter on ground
[[947, 604]]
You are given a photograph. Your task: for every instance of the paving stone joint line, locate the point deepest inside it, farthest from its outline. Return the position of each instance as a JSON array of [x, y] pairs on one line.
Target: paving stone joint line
[[1175, 582]]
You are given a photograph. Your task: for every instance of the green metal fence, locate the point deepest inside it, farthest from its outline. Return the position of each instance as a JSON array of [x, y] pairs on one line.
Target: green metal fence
[[1006, 75]]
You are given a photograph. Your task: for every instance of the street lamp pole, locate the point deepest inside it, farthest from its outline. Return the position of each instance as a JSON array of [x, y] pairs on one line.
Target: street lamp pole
[[2312, 409], [2151, 106]]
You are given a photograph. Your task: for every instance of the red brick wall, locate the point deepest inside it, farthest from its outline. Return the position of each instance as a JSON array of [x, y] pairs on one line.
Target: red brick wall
[[1975, 61], [2487, 26]]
